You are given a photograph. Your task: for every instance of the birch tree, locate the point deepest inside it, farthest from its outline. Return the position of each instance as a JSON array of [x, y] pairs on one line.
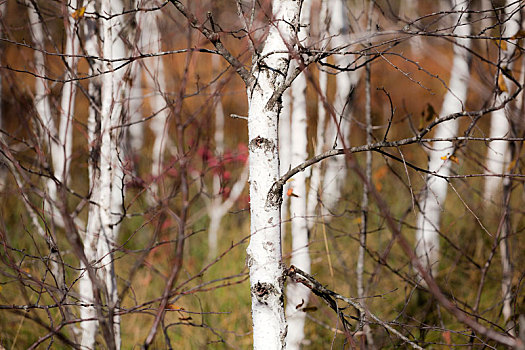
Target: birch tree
[[297, 295], [441, 153], [334, 27], [498, 153], [264, 251]]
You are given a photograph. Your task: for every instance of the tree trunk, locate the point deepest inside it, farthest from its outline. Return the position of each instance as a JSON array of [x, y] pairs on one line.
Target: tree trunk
[[62, 158], [498, 153], [338, 131], [156, 80], [264, 256], [434, 195], [297, 294]]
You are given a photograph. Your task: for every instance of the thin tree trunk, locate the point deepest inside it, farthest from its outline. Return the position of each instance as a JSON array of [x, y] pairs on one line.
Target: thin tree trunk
[[297, 294], [264, 256], [335, 173], [62, 159], [90, 239], [217, 207], [156, 80], [498, 154], [434, 195]]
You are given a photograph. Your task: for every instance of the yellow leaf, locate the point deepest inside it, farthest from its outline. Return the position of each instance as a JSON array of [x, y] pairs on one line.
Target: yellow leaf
[[511, 165], [501, 44], [0, 288], [357, 220], [454, 159], [501, 83], [174, 307], [78, 14], [443, 158]]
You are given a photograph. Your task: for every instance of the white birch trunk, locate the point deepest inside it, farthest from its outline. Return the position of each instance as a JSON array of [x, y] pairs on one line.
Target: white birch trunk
[[62, 158], [434, 195], [217, 207], [85, 287], [297, 295], [110, 176], [136, 130], [498, 153], [264, 256], [43, 109], [155, 78], [338, 132]]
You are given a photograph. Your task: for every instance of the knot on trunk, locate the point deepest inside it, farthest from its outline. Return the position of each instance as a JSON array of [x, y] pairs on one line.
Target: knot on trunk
[[263, 290]]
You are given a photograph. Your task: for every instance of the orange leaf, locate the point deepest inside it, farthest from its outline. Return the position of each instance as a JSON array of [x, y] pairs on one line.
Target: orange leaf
[[78, 14], [290, 193], [380, 173], [446, 336], [502, 85], [443, 158], [454, 159], [174, 307]]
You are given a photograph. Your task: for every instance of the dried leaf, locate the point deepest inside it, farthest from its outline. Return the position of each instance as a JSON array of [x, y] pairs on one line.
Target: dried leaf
[[78, 14], [447, 337], [174, 307], [501, 44], [290, 193], [454, 159], [502, 86]]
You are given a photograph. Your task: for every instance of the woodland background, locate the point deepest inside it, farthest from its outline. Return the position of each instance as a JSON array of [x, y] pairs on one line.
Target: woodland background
[[410, 64]]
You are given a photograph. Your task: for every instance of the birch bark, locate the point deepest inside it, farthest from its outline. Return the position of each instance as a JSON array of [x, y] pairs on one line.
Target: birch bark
[[106, 179], [62, 158], [264, 257], [336, 20], [156, 80], [90, 238], [217, 207], [435, 192], [298, 294], [498, 153]]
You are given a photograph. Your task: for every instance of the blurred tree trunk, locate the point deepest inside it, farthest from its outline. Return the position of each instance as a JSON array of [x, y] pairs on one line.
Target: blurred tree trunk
[[216, 206], [441, 154], [151, 42], [297, 294], [90, 238], [264, 251], [498, 153], [334, 20], [62, 158]]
